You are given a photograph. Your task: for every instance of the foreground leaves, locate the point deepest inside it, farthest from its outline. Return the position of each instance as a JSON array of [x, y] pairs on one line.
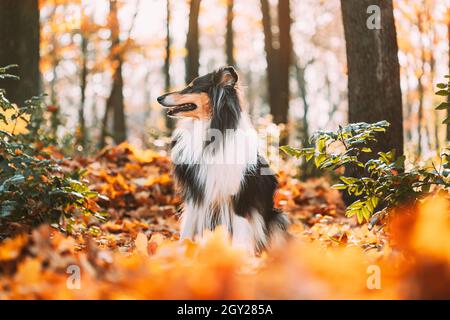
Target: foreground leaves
[[414, 265], [136, 254]]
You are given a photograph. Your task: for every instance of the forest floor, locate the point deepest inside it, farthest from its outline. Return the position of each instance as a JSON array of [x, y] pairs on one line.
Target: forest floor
[[136, 254]]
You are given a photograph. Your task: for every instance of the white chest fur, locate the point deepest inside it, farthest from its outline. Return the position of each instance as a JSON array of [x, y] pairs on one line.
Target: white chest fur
[[223, 162], [220, 170]]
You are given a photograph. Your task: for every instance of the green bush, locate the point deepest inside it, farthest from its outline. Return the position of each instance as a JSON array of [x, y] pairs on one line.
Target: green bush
[[444, 90], [34, 187], [384, 183]]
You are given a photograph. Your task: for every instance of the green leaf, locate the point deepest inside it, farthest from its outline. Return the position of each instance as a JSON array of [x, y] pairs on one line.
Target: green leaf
[[366, 213], [442, 106], [386, 157], [291, 151], [339, 186], [309, 156], [442, 85], [320, 159], [348, 180], [374, 201], [350, 213], [363, 209], [321, 145], [442, 93], [356, 205], [360, 216]]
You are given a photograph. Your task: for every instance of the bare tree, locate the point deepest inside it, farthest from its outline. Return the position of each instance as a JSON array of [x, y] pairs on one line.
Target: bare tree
[[432, 61], [229, 37], [19, 38], [373, 70], [83, 86], [448, 34], [278, 58], [82, 135], [169, 121], [421, 92], [192, 42], [284, 55], [300, 71], [423, 21], [307, 168], [115, 104], [408, 109], [271, 57], [55, 60]]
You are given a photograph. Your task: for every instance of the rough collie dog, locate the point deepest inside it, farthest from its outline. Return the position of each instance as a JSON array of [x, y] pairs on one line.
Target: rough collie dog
[[221, 176]]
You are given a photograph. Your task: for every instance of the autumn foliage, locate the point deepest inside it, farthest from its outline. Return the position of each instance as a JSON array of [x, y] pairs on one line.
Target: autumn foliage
[[137, 255]]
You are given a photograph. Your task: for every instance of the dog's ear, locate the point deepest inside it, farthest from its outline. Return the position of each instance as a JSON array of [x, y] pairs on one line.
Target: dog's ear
[[227, 77]]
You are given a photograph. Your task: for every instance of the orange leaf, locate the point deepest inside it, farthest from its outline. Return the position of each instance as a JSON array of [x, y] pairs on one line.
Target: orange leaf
[[141, 244]]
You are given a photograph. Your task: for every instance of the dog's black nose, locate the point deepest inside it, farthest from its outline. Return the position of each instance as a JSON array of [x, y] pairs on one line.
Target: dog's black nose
[[160, 99]]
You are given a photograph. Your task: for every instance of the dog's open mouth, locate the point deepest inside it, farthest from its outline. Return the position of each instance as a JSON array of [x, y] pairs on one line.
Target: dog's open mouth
[[181, 108]]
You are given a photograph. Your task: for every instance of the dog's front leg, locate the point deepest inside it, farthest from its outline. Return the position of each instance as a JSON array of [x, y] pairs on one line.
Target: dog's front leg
[[243, 237]]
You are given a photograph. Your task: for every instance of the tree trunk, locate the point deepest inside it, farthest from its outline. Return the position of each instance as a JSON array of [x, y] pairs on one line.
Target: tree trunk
[[420, 87], [436, 124], [119, 128], [448, 34], [373, 70], [271, 58], [169, 121], [301, 82], [53, 94], [420, 114], [307, 169], [334, 105], [104, 129], [54, 64], [229, 34], [19, 38], [192, 42], [82, 140], [284, 56], [278, 59], [115, 103], [408, 110]]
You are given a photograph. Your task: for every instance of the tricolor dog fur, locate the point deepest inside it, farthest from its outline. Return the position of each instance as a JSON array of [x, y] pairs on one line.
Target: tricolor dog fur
[[223, 179]]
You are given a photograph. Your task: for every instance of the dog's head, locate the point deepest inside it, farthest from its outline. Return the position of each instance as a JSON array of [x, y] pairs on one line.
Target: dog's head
[[209, 97]]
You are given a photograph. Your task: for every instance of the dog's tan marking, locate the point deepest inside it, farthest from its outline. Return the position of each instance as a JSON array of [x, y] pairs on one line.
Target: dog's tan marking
[[201, 100]]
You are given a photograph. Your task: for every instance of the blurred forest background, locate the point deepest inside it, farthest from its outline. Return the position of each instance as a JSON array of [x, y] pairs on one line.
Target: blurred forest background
[[103, 63]]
